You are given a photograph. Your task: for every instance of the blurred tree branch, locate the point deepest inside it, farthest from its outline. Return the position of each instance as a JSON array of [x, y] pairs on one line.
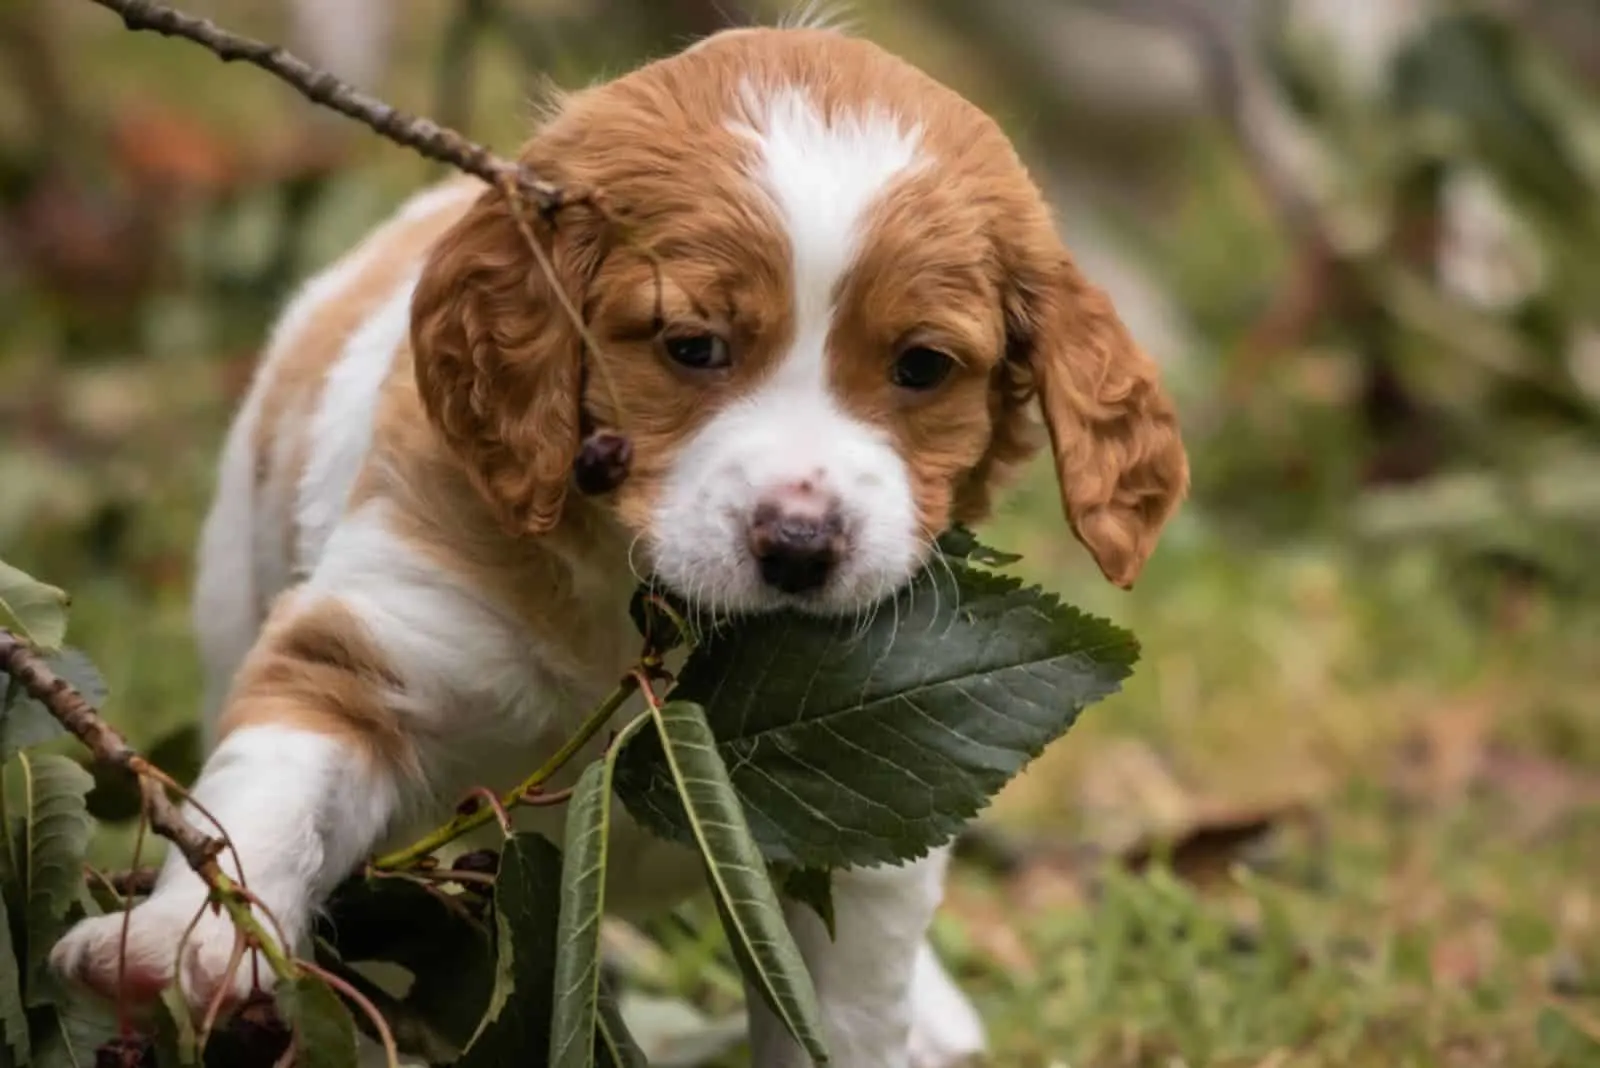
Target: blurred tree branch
[[423, 135]]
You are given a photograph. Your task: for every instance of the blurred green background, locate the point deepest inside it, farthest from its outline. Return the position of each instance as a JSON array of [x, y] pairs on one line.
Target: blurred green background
[[1346, 811]]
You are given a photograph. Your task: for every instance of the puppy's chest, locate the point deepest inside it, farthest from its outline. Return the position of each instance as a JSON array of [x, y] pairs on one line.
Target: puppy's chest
[[519, 705]]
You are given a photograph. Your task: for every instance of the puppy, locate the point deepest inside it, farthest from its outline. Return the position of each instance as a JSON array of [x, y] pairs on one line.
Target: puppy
[[821, 296]]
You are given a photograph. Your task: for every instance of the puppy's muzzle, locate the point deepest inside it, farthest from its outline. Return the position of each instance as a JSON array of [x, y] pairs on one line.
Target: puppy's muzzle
[[797, 539]]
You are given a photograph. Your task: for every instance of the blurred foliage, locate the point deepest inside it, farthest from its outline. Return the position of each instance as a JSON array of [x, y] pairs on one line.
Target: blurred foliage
[[1380, 606]]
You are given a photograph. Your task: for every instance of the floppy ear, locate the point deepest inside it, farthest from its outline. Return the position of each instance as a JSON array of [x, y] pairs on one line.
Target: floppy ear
[[499, 362], [1113, 430]]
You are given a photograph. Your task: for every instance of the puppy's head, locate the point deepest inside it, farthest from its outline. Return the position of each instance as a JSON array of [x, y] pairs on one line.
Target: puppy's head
[[820, 296]]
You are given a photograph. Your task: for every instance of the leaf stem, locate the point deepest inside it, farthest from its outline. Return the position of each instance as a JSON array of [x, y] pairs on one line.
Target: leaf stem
[[462, 823], [364, 1003]]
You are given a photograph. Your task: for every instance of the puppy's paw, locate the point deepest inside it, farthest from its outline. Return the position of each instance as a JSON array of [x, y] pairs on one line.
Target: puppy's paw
[[97, 955]]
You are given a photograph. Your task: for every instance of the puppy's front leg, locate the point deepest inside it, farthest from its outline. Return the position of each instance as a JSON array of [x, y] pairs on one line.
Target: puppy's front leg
[[864, 975], [305, 780]]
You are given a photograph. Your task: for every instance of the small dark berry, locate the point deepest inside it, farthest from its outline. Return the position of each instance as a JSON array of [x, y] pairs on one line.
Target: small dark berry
[[602, 463]]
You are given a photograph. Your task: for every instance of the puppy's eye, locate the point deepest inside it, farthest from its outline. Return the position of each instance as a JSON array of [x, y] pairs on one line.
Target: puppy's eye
[[700, 352], [921, 368]]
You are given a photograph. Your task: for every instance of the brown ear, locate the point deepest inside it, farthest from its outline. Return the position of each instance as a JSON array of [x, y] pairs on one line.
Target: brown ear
[[1113, 430], [499, 362]]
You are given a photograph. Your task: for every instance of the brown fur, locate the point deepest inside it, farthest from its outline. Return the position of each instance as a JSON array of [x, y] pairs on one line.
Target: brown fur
[[482, 418], [291, 393], [963, 257], [314, 668]]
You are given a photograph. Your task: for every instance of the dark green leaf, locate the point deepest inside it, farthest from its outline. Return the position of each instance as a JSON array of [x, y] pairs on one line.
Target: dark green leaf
[[614, 1045], [175, 1028], [851, 747], [812, 887], [576, 1014], [35, 610], [325, 1033], [54, 836], [67, 1035], [959, 543], [661, 622], [516, 1027], [431, 936], [25, 722], [740, 883], [13, 1018]]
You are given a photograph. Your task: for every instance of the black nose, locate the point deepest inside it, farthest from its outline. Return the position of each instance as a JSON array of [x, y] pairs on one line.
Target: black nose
[[795, 549]]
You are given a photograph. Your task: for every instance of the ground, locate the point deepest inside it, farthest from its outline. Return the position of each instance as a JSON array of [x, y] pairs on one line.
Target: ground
[[1342, 815]]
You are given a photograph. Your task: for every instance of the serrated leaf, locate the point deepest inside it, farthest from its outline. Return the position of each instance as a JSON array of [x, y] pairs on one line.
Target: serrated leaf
[[325, 1032], [54, 837], [35, 610], [516, 1026], [13, 1016], [576, 1012], [25, 722], [448, 953], [740, 884], [852, 747], [813, 888], [959, 543]]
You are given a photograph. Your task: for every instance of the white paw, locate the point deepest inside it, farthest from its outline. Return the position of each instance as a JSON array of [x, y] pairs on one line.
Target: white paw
[[946, 1031], [96, 955]]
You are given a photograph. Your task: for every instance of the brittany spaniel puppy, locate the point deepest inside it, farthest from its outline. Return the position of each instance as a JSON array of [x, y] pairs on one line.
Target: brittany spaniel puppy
[[832, 302]]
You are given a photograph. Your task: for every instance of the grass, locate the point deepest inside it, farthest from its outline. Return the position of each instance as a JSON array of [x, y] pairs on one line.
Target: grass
[[1420, 750]]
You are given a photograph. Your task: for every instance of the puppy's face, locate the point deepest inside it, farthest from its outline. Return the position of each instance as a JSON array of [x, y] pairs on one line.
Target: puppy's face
[[818, 293]]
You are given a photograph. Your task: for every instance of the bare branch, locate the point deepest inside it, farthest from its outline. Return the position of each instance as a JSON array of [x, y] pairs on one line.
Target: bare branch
[[74, 712], [78, 716], [427, 137]]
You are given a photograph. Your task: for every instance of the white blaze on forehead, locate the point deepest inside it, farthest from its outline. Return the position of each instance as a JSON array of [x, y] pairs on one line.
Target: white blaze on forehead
[[823, 175]]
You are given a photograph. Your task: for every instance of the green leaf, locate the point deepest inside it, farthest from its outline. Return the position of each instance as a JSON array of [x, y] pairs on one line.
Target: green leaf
[[527, 892], [25, 722], [959, 543], [852, 747], [584, 1030], [67, 1035], [175, 1028], [324, 1029], [54, 837], [740, 884], [13, 1016], [614, 1045], [575, 1016], [431, 936], [813, 888], [32, 609]]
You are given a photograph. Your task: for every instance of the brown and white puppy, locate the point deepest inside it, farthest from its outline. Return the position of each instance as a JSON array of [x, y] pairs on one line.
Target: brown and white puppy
[[832, 303]]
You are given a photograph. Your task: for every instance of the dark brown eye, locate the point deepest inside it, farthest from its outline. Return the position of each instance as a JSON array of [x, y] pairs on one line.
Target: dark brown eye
[[700, 352], [921, 368]]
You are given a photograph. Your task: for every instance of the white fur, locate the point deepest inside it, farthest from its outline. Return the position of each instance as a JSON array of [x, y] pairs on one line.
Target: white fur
[[864, 976], [300, 813], [822, 174], [483, 699], [244, 560], [341, 429]]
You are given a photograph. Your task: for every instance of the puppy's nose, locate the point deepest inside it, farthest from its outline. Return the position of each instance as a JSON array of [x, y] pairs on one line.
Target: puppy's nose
[[796, 537]]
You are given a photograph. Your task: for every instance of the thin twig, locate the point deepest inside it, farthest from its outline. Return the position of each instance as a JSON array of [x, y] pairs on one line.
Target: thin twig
[[516, 183], [74, 712], [109, 748], [425, 136], [462, 823], [362, 1002]]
